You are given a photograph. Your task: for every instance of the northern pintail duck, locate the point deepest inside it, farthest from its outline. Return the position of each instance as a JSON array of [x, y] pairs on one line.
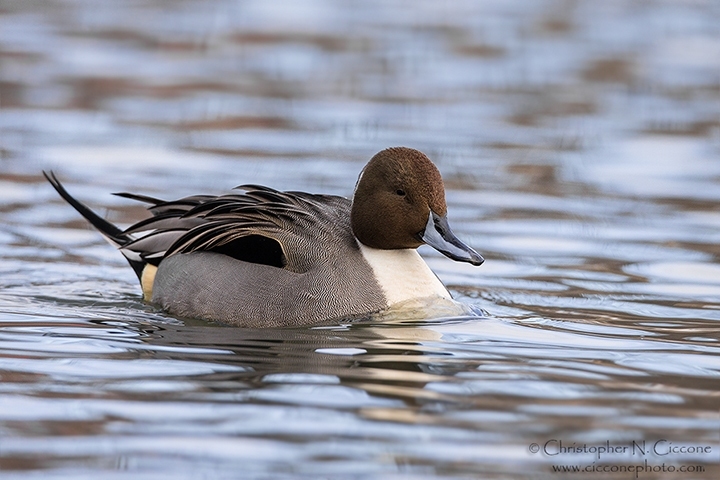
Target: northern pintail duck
[[271, 258]]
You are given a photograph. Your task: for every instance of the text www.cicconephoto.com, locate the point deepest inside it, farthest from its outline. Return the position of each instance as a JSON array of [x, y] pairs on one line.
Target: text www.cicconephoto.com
[[636, 457]]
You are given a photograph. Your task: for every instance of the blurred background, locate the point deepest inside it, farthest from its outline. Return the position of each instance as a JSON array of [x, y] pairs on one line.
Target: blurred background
[[552, 94], [579, 141]]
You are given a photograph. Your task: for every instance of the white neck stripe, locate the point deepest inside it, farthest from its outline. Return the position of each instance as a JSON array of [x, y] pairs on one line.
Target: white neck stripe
[[403, 274]]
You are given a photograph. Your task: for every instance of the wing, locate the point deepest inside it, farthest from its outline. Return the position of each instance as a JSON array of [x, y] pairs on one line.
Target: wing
[[282, 229]]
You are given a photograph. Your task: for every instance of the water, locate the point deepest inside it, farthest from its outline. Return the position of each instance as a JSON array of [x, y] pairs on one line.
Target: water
[[580, 144]]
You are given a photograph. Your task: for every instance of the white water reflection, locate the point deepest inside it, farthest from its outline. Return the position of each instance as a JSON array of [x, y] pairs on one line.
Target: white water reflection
[[660, 167]]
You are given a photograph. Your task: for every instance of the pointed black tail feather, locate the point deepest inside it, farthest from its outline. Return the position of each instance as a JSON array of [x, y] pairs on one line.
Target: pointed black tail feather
[[112, 233], [140, 198]]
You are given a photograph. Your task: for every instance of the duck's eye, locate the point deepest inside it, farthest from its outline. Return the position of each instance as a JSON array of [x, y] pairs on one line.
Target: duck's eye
[[400, 192]]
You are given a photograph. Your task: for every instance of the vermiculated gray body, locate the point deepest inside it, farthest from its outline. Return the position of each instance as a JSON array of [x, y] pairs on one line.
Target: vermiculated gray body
[[253, 295], [325, 276]]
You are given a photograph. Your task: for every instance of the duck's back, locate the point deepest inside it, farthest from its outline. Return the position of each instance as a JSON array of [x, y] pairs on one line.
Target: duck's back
[[266, 258]]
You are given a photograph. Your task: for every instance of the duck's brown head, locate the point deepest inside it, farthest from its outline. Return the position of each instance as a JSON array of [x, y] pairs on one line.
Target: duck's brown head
[[399, 202]]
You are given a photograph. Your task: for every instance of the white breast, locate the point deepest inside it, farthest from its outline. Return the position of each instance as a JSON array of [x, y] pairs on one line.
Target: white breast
[[403, 274]]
